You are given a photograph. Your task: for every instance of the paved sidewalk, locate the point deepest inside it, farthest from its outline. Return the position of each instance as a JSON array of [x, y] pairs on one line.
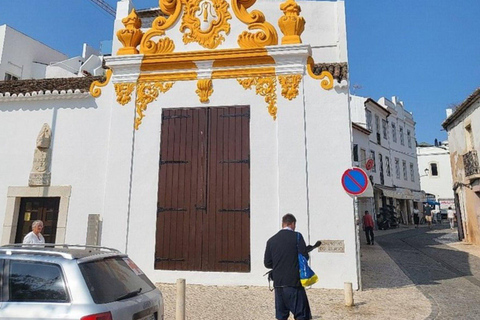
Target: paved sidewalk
[[387, 294]]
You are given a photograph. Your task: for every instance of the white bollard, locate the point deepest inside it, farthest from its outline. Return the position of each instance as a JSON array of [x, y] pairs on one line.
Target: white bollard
[[348, 294], [180, 310]]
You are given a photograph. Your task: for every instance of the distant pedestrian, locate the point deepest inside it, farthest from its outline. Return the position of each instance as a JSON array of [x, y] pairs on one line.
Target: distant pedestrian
[[416, 218], [451, 217], [368, 227], [428, 215], [35, 236]]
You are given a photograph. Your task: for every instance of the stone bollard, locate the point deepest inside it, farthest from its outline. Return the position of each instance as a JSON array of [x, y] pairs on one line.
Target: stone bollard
[[348, 294], [180, 309]]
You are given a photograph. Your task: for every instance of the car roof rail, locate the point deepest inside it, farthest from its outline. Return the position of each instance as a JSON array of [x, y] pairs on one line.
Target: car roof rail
[[44, 249]]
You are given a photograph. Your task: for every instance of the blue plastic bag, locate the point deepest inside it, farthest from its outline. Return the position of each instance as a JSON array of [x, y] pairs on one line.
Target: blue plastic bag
[[307, 276]]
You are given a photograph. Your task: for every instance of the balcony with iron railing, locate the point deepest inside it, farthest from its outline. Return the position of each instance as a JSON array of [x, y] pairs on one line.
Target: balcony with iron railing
[[471, 166]]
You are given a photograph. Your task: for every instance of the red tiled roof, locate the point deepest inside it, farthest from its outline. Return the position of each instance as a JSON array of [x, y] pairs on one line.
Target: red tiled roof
[[59, 84]]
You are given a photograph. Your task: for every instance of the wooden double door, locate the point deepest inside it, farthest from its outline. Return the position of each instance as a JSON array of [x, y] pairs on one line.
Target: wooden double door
[[203, 215], [31, 209]]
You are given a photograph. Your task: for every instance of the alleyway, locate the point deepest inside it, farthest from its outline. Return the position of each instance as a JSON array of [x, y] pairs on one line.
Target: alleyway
[[448, 277]]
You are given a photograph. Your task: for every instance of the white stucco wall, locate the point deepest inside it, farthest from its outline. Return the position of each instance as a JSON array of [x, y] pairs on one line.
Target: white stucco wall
[[79, 152], [20, 52], [296, 162]]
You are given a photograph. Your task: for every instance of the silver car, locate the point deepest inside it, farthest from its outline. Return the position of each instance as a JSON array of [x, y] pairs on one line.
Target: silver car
[[74, 282]]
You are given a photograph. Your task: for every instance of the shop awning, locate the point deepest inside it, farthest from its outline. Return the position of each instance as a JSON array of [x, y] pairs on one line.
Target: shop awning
[[387, 192], [419, 196], [432, 202], [397, 193]]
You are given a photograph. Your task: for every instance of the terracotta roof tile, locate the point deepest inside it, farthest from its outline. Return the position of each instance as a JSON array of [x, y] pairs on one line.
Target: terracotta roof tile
[[339, 70], [34, 85]]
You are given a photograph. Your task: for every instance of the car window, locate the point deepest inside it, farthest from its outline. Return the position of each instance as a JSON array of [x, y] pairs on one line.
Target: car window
[[36, 282], [114, 278]]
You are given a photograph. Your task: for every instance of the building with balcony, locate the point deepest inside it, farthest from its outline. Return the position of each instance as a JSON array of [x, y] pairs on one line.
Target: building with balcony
[[463, 127], [391, 147]]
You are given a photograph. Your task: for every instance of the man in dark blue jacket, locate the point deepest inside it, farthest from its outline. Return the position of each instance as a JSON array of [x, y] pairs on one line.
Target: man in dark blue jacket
[[281, 255]]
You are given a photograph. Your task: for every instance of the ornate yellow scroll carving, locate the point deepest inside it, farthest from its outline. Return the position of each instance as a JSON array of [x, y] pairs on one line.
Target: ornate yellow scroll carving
[[131, 36], [205, 89], [205, 19], [265, 87], [164, 45], [291, 23], [96, 92], [124, 92], [289, 85], [266, 36], [146, 93], [325, 76]]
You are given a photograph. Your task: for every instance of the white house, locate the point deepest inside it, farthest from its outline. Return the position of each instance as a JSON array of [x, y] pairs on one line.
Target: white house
[[211, 125], [22, 57], [436, 173]]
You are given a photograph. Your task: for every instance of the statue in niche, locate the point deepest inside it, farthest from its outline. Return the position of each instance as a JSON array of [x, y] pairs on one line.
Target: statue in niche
[[40, 175]]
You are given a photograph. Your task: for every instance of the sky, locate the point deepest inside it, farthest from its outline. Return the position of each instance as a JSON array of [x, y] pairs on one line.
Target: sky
[[426, 53]]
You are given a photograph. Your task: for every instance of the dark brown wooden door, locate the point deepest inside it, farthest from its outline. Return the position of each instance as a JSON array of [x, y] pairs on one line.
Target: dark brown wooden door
[[31, 209], [203, 216]]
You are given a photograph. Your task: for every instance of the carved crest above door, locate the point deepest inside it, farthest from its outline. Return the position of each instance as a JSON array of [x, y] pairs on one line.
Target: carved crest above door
[[204, 21]]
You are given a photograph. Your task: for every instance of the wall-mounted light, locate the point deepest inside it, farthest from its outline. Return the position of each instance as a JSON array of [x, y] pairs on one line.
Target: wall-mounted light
[[427, 171]]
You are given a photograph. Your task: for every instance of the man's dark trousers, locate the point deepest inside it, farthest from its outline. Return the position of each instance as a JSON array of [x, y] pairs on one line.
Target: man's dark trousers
[[369, 235], [292, 299]]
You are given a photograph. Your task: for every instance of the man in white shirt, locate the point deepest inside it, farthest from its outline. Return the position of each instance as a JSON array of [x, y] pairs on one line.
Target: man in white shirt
[[451, 216], [35, 237]]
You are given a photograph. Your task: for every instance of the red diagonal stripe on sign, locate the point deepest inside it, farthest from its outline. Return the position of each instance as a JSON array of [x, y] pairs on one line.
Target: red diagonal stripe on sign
[[354, 181]]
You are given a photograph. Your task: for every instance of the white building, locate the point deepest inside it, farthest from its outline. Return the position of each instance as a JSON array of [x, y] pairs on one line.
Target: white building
[[191, 151], [394, 173], [22, 57], [436, 173], [463, 127]]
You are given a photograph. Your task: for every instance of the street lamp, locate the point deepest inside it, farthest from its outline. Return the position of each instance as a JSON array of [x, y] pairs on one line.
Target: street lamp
[[427, 171]]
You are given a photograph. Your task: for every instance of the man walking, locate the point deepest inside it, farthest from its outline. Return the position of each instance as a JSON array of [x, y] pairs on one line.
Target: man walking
[[281, 255], [451, 216], [368, 227]]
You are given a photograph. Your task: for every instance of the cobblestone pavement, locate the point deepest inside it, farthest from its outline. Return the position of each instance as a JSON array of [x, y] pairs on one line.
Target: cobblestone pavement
[[387, 294], [446, 271]]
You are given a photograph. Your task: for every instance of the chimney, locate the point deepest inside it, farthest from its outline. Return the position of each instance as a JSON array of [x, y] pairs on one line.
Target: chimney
[[449, 112]]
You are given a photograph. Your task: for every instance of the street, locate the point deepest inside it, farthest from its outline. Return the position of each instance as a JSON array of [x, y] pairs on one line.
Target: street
[[448, 277]]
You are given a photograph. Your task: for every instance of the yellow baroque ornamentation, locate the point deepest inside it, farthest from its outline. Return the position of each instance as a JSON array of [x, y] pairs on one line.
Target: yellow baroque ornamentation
[[146, 93], [205, 19], [290, 85], [291, 23], [205, 89], [265, 87], [131, 36], [266, 36], [124, 92], [96, 92], [325, 76], [172, 8]]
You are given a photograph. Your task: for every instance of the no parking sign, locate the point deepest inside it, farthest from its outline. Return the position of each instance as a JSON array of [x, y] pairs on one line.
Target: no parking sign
[[355, 181]]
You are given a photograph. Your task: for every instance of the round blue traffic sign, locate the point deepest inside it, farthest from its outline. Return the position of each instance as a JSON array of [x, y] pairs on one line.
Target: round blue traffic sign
[[355, 181]]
